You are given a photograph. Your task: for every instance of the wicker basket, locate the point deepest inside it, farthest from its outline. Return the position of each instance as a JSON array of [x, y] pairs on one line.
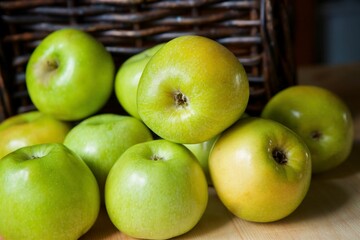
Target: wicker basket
[[258, 32]]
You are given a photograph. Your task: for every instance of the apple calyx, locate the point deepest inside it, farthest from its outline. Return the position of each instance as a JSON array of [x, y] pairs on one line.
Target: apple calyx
[[31, 155], [316, 135], [156, 157], [180, 99], [279, 156], [37, 155]]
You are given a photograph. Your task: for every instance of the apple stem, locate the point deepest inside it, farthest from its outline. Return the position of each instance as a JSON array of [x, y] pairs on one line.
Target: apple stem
[[279, 156], [180, 99]]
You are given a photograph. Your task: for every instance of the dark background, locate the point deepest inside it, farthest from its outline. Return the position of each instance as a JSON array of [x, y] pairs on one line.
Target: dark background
[[327, 32]]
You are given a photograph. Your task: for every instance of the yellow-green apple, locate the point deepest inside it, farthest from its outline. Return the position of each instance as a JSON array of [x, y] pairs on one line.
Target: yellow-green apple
[[46, 192], [320, 117], [128, 77], [261, 170], [101, 139], [30, 128], [156, 190], [192, 89], [70, 75], [202, 152]]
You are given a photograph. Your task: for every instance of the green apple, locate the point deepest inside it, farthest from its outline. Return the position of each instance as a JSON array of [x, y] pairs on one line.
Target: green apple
[[192, 89], [202, 152], [261, 170], [30, 128], [46, 192], [156, 190], [101, 139], [70, 75], [128, 77], [320, 117]]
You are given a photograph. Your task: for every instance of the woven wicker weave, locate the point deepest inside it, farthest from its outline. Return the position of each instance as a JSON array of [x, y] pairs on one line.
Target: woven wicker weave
[[258, 32]]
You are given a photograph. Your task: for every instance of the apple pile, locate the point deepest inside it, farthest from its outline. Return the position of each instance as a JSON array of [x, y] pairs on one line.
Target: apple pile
[[186, 130]]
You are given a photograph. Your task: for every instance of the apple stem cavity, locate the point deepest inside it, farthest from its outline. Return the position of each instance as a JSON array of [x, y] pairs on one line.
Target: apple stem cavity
[[180, 99], [52, 65], [279, 156]]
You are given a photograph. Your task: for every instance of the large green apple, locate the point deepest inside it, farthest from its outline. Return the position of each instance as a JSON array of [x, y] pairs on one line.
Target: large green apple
[[192, 89], [70, 75], [46, 192], [128, 77], [320, 117], [30, 128], [156, 190], [101, 139], [261, 170]]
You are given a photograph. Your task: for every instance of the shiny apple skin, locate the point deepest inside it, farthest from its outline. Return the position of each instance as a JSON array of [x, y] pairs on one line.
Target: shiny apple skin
[[249, 180], [70, 75], [192, 89], [156, 190], [46, 192], [320, 117], [30, 128]]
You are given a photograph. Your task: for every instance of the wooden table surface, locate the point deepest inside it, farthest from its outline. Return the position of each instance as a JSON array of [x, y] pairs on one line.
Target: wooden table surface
[[331, 209]]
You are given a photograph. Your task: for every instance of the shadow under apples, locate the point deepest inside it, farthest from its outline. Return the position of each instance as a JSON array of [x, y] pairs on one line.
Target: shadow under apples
[[215, 217], [321, 201], [102, 228], [349, 167]]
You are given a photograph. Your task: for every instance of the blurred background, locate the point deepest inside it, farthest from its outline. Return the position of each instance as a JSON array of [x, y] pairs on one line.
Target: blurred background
[[327, 32], [327, 49]]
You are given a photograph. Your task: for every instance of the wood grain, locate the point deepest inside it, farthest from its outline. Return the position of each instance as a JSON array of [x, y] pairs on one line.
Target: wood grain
[[331, 209]]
